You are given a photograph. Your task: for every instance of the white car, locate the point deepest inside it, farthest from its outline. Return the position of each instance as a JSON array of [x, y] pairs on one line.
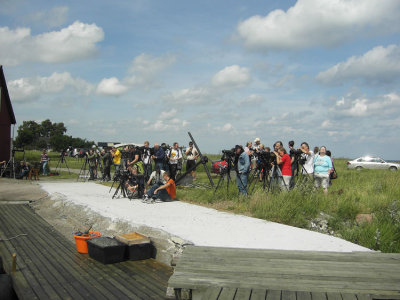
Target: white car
[[371, 162]]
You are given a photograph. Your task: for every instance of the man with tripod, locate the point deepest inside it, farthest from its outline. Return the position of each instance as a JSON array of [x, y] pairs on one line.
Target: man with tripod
[[107, 161], [308, 158], [242, 169]]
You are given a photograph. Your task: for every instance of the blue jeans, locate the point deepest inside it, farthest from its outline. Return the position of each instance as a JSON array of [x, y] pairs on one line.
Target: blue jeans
[[241, 181], [160, 165], [117, 168], [45, 168], [161, 194]]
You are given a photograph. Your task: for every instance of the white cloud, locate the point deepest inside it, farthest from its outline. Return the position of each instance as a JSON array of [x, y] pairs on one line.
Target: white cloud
[[54, 17], [24, 89], [111, 87], [231, 77], [168, 114], [319, 22], [168, 125], [377, 65], [76, 41], [145, 68], [385, 105], [252, 99], [189, 96]]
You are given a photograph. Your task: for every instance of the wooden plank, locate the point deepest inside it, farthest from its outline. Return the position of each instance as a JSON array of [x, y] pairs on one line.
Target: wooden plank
[[57, 255], [31, 271], [227, 293], [257, 279], [333, 296], [347, 296], [318, 296], [123, 290], [372, 271], [211, 293], [201, 280], [303, 295], [288, 295], [83, 276], [274, 295], [258, 294], [296, 254], [243, 294]]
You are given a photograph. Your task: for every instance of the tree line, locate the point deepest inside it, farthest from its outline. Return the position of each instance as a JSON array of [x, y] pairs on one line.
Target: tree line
[[33, 135]]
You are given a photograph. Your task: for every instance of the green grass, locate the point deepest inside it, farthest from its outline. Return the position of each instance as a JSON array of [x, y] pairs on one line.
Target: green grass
[[375, 192]]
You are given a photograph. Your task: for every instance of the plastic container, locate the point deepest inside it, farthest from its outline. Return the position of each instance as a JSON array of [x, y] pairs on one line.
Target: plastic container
[[106, 250], [81, 241], [140, 251], [132, 238]]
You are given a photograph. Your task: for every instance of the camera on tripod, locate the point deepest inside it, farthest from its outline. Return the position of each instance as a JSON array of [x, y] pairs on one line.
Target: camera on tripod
[[299, 156], [228, 154], [266, 160]]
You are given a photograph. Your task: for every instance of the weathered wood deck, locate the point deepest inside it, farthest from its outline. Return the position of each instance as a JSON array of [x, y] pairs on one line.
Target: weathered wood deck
[[49, 267], [228, 273]]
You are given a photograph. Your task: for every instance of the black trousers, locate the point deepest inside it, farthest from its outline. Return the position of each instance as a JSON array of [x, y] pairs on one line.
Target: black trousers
[[107, 173], [172, 170]]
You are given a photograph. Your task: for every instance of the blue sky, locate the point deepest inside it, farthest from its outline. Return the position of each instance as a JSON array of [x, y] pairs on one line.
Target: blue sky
[[322, 71]]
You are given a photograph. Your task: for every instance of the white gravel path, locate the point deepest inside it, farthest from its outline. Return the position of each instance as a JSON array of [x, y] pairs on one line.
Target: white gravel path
[[200, 225]]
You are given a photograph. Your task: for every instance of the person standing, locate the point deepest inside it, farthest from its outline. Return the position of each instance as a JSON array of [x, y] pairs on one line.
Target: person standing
[[243, 169], [92, 164], [175, 157], [307, 157], [191, 155], [116, 154], [147, 160], [107, 161], [158, 156], [322, 168], [284, 162], [44, 160]]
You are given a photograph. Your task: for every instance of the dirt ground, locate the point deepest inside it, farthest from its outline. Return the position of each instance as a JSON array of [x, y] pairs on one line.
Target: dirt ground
[[68, 218]]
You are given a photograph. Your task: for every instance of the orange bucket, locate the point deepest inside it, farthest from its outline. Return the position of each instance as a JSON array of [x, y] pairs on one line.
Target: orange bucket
[[80, 241]]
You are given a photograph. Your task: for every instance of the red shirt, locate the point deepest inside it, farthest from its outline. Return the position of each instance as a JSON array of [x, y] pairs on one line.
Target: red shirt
[[286, 166], [171, 189]]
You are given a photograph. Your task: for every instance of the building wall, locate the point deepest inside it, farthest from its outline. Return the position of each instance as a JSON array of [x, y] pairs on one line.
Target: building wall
[[5, 129]]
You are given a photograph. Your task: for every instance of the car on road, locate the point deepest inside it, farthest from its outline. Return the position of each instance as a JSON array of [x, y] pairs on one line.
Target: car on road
[[371, 162]]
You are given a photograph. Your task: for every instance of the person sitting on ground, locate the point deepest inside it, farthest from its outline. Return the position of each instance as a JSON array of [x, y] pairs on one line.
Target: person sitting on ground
[[135, 183], [284, 162], [156, 177], [23, 170], [163, 192], [322, 168]]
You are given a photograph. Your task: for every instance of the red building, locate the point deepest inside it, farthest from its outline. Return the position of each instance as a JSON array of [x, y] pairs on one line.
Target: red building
[[7, 118]]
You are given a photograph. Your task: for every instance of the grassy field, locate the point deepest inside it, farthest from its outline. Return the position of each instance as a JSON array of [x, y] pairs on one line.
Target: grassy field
[[375, 193]]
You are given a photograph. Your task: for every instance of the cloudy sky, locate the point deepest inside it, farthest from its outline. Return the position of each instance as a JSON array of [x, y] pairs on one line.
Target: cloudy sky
[[322, 71]]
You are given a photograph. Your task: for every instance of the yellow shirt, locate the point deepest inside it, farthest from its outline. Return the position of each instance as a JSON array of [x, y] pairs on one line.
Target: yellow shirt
[[117, 157]]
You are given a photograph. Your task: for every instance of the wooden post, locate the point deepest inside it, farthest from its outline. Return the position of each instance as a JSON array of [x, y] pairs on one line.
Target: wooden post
[[14, 263]]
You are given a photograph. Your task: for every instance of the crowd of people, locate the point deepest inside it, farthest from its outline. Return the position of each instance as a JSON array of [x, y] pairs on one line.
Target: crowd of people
[[139, 163], [284, 165]]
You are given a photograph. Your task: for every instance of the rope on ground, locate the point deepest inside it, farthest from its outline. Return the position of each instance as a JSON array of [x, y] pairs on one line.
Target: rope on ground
[[1, 240]]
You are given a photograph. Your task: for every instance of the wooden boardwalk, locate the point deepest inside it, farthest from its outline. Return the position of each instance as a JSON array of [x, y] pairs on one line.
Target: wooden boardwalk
[[49, 267], [229, 273]]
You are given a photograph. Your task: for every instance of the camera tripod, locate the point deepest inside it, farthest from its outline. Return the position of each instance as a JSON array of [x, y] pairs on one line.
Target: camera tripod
[[11, 163], [121, 186], [259, 175], [227, 172], [304, 177], [275, 179], [62, 160], [83, 173]]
